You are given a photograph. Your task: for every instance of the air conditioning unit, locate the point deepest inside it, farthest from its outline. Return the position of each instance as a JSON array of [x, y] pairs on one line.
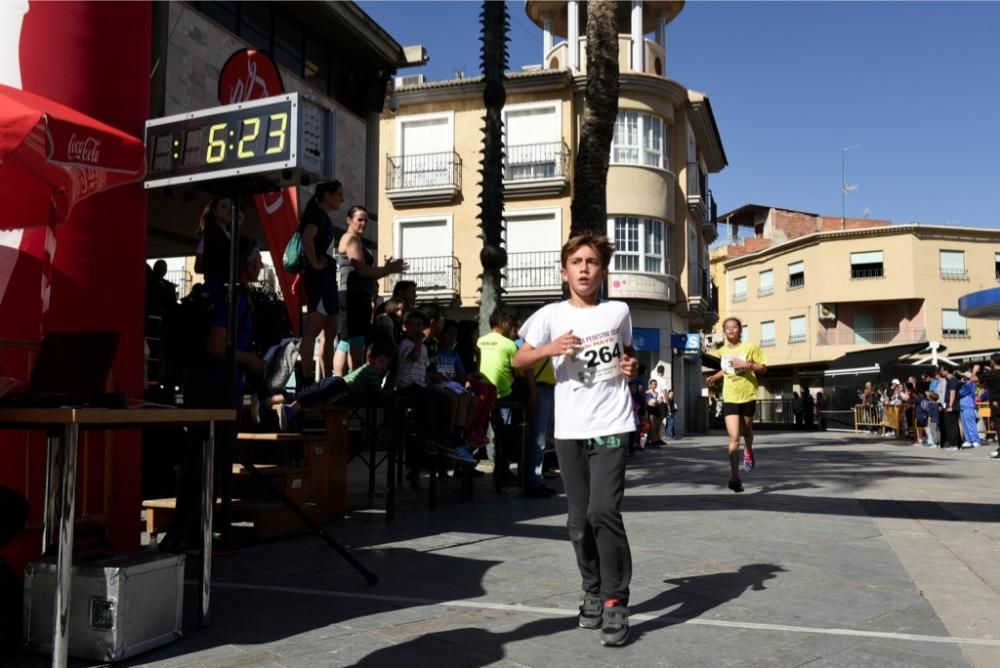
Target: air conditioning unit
[[411, 80], [826, 311]]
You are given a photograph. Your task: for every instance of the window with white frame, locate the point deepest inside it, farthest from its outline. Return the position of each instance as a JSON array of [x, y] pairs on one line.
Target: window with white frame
[[533, 242], [745, 333], [952, 265], [533, 141], [996, 264], [640, 139], [953, 325], [868, 264], [796, 275], [739, 288], [425, 148], [766, 286], [797, 329], [640, 244], [767, 333]]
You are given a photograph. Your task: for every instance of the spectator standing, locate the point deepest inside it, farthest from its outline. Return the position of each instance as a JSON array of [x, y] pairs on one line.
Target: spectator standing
[[496, 357], [821, 410], [670, 415], [654, 410], [320, 279], [951, 409], [933, 420], [968, 411], [357, 263]]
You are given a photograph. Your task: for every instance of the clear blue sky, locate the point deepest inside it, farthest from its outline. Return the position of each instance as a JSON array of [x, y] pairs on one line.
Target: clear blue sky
[[792, 83]]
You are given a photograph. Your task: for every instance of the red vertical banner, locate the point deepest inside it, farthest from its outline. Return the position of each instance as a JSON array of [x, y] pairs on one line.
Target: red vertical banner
[[250, 75], [93, 57]]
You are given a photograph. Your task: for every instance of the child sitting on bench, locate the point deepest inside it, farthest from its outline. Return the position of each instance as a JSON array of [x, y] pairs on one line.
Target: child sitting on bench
[[363, 380]]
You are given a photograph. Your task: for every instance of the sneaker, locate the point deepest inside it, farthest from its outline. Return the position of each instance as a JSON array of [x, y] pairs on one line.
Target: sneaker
[[465, 454], [590, 612], [995, 454], [549, 474], [966, 444], [285, 417], [736, 484], [614, 626], [748, 461]]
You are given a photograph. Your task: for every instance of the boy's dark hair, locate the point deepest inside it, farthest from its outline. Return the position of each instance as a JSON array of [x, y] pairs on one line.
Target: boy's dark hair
[[431, 312], [450, 324], [599, 243], [501, 317], [379, 349], [402, 286], [413, 316]]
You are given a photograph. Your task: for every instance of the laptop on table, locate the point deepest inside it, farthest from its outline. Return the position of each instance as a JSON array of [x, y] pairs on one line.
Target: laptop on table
[[71, 370]]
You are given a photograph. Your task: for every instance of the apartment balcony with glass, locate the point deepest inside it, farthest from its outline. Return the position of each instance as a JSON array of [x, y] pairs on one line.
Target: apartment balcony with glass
[[424, 178], [880, 336], [536, 170], [438, 278], [532, 276]]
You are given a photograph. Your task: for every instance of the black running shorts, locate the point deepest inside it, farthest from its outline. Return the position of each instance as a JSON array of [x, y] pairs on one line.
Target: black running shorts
[[745, 409]]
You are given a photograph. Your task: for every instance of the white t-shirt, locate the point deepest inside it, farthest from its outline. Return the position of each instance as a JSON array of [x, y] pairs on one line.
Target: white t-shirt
[[592, 397]]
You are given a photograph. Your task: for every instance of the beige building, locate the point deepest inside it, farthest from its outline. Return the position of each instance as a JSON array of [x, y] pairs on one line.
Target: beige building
[[811, 297], [660, 207]]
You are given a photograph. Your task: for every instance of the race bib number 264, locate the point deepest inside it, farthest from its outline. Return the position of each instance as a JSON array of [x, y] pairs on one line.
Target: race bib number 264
[[597, 361]]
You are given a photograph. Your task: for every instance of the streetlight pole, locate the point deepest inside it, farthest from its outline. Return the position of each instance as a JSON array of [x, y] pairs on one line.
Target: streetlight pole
[[844, 187]]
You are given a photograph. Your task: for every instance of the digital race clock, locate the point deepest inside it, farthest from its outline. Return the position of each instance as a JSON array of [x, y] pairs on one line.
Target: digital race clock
[[267, 143]]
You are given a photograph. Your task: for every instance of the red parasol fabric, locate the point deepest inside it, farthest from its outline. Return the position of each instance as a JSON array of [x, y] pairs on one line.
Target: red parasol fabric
[[52, 157]]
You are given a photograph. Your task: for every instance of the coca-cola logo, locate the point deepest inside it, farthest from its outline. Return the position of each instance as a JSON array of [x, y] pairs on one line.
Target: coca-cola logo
[[248, 75], [86, 149]]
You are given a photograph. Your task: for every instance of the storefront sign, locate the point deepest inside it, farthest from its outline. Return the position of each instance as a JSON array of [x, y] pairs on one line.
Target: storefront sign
[[646, 339], [640, 286], [689, 344]]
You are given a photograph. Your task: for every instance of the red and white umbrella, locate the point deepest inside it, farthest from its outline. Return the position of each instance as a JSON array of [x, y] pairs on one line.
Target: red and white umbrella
[[52, 157]]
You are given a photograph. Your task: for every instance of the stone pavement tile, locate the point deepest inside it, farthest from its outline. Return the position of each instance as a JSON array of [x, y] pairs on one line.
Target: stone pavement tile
[[894, 654], [224, 656]]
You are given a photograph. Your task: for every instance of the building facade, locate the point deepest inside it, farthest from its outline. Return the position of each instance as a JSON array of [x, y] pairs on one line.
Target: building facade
[[813, 298], [660, 208], [330, 52]]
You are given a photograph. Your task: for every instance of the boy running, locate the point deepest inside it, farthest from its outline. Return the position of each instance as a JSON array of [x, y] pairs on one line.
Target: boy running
[[590, 343]]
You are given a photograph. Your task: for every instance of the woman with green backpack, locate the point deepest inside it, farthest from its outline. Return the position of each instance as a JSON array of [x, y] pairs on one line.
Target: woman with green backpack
[[320, 277]]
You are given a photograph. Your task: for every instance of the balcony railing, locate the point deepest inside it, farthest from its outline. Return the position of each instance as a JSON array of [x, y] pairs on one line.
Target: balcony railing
[[533, 271], [796, 338], [765, 291], [183, 279], [527, 162], [955, 333], [954, 274], [867, 273], [434, 276], [739, 297], [767, 343], [870, 337], [424, 177], [795, 282]]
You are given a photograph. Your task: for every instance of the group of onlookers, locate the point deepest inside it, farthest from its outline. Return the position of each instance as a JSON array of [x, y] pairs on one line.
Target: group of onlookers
[[942, 408], [655, 410]]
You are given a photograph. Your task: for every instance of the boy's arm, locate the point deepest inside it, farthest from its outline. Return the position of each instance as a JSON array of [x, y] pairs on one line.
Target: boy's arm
[[565, 344]]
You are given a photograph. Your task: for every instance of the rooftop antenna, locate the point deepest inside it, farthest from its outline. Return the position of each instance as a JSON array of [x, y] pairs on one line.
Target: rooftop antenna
[[845, 187]]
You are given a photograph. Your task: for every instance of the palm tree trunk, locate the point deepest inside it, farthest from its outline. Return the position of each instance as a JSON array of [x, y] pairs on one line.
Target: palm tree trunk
[[493, 257], [589, 209]]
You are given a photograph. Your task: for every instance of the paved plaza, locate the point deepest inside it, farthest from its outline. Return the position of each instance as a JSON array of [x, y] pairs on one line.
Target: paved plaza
[[845, 550]]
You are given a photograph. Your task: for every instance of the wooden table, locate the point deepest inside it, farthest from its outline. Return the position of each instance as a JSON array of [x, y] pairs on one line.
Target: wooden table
[[62, 426]]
